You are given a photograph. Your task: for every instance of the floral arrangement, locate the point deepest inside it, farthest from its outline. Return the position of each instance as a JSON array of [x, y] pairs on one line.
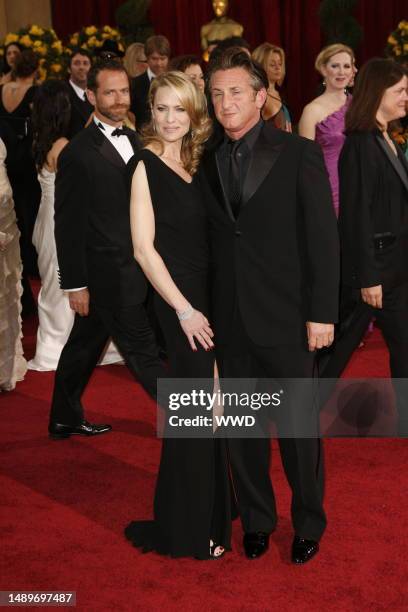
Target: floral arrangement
[[91, 38], [397, 43], [45, 43]]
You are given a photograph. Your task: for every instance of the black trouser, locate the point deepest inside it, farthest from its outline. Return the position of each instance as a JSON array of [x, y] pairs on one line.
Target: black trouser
[[392, 318], [302, 458], [130, 330]]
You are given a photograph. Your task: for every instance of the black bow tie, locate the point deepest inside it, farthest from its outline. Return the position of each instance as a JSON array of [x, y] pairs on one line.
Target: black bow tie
[[123, 131]]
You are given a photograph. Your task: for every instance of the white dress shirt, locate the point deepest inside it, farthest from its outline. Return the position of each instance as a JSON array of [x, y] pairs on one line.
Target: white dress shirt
[[150, 74], [78, 90]]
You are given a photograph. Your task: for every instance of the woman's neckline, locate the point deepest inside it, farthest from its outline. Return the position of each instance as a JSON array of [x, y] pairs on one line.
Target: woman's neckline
[[169, 167]]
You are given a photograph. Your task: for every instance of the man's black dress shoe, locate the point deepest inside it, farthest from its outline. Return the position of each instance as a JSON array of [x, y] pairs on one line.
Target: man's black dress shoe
[[256, 544], [58, 431], [303, 550]]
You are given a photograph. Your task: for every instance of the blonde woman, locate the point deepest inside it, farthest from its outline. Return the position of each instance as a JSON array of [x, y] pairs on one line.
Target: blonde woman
[[323, 118], [169, 231], [135, 60], [272, 59]]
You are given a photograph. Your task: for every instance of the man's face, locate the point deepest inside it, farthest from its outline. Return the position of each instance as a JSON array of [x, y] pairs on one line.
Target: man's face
[[112, 97], [236, 104], [79, 68], [157, 63]]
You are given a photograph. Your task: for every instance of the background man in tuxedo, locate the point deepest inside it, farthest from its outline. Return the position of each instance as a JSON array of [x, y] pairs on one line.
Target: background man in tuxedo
[[276, 275], [79, 66], [157, 51], [95, 254]]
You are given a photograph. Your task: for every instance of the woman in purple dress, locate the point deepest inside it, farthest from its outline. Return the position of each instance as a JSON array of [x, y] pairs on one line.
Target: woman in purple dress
[[323, 118]]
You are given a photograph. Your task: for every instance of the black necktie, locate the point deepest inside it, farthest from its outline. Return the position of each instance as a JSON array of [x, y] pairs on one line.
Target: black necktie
[[123, 131], [234, 176]]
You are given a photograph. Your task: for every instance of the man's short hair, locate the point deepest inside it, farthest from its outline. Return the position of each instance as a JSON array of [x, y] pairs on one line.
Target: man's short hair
[[234, 57], [79, 51], [157, 44], [110, 64]]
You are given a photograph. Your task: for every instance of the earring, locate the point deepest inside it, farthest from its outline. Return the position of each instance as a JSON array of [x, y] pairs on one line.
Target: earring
[[324, 83]]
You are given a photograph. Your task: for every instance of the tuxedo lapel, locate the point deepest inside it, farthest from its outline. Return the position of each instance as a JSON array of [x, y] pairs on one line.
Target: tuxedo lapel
[[105, 147], [264, 155], [395, 161], [214, 180]]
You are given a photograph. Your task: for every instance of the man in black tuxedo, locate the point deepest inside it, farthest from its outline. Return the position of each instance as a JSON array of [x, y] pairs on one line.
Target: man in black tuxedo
[[95, 254], [157, 51], [81, 109], [276, 274]]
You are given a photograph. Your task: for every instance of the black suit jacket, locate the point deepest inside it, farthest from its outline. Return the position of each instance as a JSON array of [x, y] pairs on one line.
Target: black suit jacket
[[280, 259], [140, 106], [80, 112], [92, 225], [373, 220]]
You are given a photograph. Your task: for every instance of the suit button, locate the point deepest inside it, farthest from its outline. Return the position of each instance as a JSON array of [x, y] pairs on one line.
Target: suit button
[[238, 233]]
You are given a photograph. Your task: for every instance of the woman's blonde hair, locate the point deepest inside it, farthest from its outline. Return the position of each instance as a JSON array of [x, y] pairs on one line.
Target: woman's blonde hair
[[261, 55], [194, 102], [327, 53], [134, 55]]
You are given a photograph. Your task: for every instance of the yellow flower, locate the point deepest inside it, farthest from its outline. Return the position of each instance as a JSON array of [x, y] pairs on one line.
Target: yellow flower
[[68, 51], [84, 46], [42, 73], [107, 28], [106, 35], [74, 39], [41, 50], [56, 67], [90, 30], [405, 47], [42, 61], [392, 40], [57, 45], [92, 41], [36, 30], [11, 38], [37, 43], [397, 50], [26, 41]]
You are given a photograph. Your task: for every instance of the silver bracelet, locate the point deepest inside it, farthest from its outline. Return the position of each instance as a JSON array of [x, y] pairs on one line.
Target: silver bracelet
[[185, 314]]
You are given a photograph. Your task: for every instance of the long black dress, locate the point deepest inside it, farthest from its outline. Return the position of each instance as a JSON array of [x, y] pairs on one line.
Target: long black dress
[[192, 503], [22, 173]]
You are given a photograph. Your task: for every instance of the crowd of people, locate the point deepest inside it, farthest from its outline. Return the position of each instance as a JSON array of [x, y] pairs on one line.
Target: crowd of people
[[173, 208]]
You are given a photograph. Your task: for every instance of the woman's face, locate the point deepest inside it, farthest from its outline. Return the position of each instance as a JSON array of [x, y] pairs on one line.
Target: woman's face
[[339, 71], [274, 67], [394, 102], [170, 117], [11, 55], [195, 73]]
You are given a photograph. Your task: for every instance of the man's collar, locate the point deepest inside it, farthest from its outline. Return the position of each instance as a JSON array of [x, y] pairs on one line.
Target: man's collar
[[78, 90], [105, 127], [150, 74], [251, 136]]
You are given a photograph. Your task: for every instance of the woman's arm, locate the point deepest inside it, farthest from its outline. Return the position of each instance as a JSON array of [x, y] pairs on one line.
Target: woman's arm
[[307, 123], [142, 222]]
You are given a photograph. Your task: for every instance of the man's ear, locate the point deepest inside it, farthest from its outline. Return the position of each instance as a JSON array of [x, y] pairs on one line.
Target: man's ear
[[91, 97], [260, 98]]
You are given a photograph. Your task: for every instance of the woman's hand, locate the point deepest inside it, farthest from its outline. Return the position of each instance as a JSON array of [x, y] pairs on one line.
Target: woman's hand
[[372, 296], [196, 326]]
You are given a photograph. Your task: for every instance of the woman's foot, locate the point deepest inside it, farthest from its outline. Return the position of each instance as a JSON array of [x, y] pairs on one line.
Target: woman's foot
[[216, 551]]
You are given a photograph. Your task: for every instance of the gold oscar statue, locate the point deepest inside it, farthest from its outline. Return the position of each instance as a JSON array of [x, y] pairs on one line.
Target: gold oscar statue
[[219, 28]]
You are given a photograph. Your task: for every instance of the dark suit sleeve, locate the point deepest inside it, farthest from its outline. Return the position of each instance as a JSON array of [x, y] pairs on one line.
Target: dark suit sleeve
[[72, 192], [358, 174], [321, 236]]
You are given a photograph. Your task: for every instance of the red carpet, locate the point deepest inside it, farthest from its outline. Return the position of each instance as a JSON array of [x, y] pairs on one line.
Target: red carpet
[[64, 505]]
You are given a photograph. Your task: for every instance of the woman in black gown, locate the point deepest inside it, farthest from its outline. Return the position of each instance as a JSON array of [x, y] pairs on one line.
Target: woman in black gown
[[191, 506]]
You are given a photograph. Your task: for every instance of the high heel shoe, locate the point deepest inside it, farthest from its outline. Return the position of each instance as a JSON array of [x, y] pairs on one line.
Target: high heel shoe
[[216, 551]]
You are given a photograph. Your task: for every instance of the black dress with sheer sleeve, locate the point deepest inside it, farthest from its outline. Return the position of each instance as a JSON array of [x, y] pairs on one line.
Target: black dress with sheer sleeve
[[192, 497]]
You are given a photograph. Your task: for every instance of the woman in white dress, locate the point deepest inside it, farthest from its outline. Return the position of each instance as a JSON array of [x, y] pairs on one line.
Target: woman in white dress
[[50, 118], [13, 366]]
